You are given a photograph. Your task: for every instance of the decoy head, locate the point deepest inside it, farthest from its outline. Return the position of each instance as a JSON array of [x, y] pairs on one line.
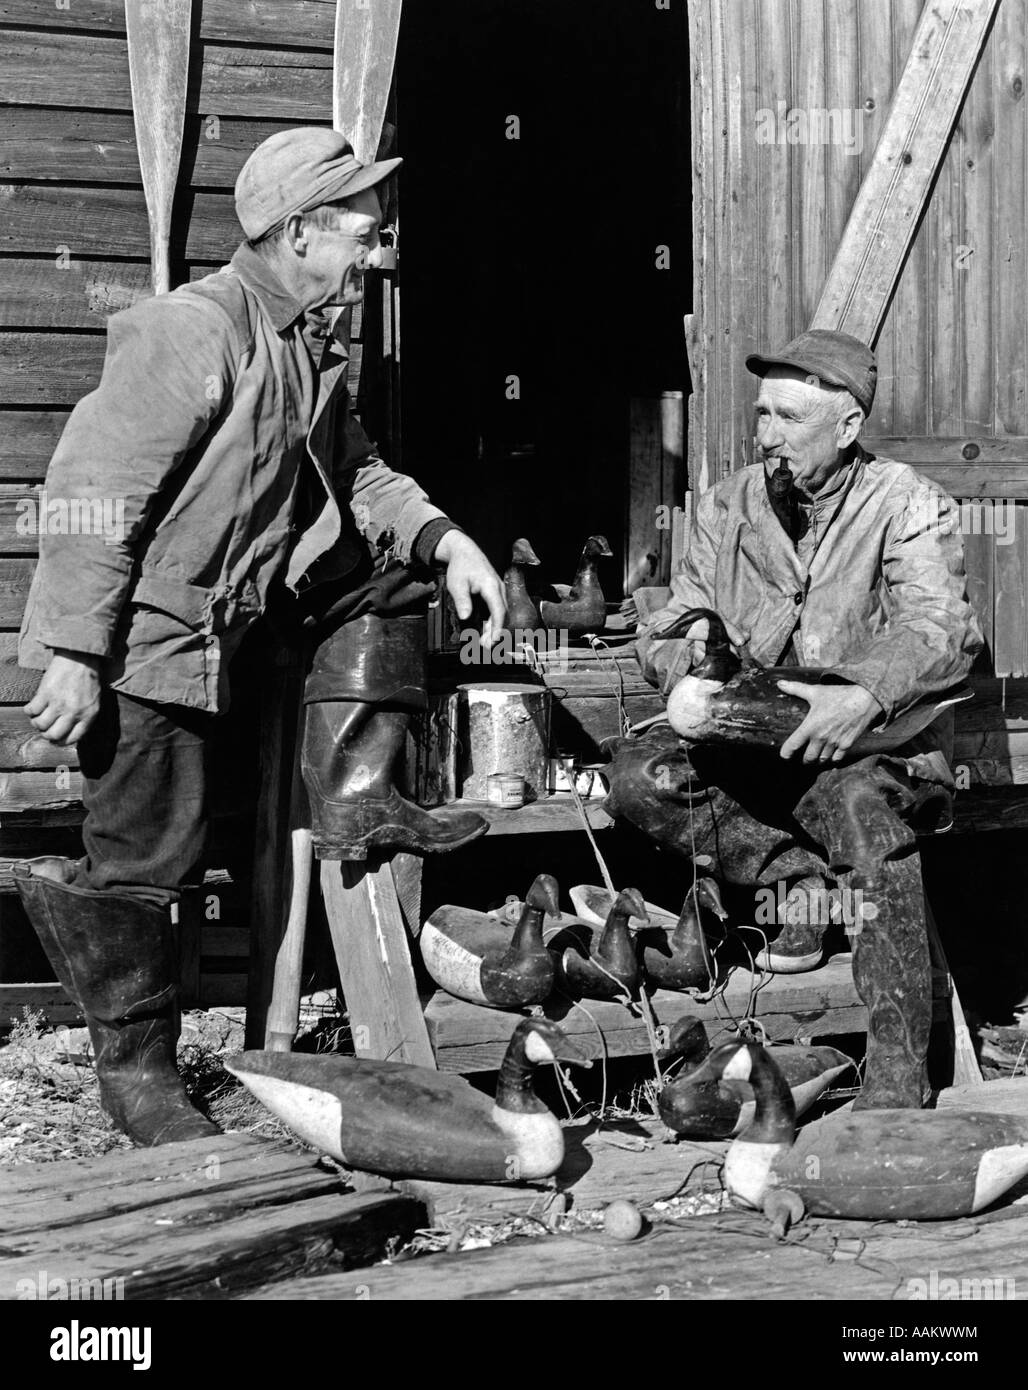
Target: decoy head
[[597, 545], [544, 895], [720, 662], [708, 895], [523, 554], [628, 903], [541, 1041], [748, 1062], [687, 1038]]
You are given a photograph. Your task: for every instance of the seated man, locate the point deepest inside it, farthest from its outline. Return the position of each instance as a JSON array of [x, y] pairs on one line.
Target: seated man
[[820, 555]]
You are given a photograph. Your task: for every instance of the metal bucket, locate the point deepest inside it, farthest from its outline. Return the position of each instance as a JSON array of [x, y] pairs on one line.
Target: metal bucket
[[504, 728]]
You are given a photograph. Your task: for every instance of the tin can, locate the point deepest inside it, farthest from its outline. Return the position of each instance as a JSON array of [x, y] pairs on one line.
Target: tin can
[[505, 789]]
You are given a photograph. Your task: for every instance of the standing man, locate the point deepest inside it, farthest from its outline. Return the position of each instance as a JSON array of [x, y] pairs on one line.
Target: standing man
[[821, 555], [221, 432]]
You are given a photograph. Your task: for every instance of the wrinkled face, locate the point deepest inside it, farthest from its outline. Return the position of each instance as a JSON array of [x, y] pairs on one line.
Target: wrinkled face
[[801, 423], [335, 257]]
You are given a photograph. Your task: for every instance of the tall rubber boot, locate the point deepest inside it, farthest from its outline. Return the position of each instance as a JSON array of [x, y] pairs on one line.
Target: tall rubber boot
[[893, 977], [115, 955], [365, 681]]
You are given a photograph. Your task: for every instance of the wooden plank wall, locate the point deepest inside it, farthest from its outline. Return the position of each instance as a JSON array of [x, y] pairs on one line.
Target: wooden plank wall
[[768, 218], [74, 246]]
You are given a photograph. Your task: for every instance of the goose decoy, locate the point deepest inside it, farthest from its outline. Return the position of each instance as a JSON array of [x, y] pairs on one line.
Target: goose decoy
[[674, 949], [403, 1121], [522, 612], [708, 1109], [473, 955], [595, 963], [583, 609], [725, 701], [867, 1165]]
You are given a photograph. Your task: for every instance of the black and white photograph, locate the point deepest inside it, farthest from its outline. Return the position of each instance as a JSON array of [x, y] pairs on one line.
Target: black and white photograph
[[513, 669]]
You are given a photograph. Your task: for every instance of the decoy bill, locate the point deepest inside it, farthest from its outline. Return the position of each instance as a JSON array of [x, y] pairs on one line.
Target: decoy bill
[[409, 1122], [474, 956]]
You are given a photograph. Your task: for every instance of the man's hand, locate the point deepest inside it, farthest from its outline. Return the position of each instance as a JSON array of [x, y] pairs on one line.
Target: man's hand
[[838, 715], [68, 697], [468, 572]]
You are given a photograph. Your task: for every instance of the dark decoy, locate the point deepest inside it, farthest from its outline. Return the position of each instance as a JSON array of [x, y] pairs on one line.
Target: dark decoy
[[522, 612], [601, 963], [583, 609]]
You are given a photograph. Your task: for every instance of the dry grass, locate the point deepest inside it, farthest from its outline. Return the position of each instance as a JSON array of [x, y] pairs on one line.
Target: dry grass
[[50, 1106]]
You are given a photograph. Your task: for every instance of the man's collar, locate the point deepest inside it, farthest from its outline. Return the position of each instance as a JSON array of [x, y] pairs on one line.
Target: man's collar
[[256, 274]]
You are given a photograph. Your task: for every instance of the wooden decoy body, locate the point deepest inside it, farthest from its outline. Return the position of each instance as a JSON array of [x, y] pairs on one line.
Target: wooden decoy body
[[522, 611], [584, 608], [724, 701], [869, 1165], [706, 1108], [474, 956], [601, 963], [404, 1121]]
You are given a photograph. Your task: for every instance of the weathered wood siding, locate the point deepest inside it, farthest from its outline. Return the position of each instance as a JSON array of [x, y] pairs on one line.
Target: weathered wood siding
[[769, 212], [74, 243]]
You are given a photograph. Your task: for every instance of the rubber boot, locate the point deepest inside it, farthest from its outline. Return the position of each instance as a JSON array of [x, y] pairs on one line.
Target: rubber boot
[[115, 956], [365, 681], [893, 977]]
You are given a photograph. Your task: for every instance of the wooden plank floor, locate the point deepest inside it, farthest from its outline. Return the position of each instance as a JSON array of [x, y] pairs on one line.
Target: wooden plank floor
[[201, 1219], [728, 1255]]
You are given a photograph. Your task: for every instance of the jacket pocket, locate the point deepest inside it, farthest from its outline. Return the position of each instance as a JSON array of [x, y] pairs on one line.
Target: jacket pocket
[[174, 632]]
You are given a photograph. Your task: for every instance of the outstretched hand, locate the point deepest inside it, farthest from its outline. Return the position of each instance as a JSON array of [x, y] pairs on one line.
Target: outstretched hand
[[468, 573], [838, 715]]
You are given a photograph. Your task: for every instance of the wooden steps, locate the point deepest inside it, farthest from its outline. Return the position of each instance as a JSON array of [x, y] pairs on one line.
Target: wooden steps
[[202, 1219], [821, 1003]]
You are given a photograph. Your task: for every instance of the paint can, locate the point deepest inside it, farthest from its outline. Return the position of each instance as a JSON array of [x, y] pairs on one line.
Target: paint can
[[504, 727], [505, 790]]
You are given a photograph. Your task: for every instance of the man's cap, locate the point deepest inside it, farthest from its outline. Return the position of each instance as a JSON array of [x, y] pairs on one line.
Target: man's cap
[[835, 358], [296, 170]]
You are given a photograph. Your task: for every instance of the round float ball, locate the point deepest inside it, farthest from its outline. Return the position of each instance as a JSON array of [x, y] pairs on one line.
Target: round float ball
[[622, 1220]]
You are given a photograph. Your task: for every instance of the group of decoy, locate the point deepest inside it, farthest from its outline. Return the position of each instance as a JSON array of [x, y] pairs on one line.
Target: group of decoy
[[575, 608], [613, 947], [877, 1165]]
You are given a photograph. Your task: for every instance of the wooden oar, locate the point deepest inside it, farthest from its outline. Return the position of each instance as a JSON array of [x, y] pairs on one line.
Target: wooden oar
[[362, 71], [158, 53]]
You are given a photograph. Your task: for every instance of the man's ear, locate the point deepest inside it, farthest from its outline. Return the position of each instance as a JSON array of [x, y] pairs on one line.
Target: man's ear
[[849, 427], [296, 237]]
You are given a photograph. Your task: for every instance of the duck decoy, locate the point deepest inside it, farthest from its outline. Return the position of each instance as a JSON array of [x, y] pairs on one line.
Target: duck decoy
[[405, 1121], [703, 1108], [522, 612], [866, 1165], [726, 701], [473, 955], [595, 963], [583, 609], [674, 952]]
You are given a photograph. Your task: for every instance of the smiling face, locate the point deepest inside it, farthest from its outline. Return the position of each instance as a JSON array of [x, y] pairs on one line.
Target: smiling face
[[325, 252], [806, 425]]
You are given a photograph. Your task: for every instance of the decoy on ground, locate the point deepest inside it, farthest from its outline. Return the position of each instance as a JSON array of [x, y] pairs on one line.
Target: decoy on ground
[[474, 956], [601, 963], [697, 1106], [870, 1165], [583, 609], [403, 1121]]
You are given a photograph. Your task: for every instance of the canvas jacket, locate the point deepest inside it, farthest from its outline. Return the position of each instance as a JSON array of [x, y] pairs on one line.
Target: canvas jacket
[[221, 436], [878, 597]]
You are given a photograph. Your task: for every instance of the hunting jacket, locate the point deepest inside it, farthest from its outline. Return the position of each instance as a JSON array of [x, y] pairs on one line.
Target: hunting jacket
[[877, 595], [221, 434]]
